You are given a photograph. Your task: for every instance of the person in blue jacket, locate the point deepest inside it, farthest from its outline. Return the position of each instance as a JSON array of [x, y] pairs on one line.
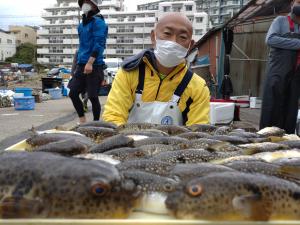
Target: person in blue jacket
[[88, 73]]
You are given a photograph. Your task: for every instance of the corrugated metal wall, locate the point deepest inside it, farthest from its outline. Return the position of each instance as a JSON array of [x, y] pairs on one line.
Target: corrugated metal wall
[[248, 75]]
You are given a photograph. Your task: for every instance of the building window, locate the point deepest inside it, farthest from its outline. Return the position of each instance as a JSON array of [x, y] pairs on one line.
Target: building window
[[198, 31], [188, 8], [9, 41], [166, 8], [199, 19], [26, 35]]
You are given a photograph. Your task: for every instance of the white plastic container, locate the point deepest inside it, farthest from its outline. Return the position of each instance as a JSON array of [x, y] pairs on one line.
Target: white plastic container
[[243, 101], [255, 103], [221, 113]]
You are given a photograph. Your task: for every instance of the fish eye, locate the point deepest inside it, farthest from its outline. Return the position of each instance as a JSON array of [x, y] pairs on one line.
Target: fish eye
[[195, 190], [139, 154], [100, 189]]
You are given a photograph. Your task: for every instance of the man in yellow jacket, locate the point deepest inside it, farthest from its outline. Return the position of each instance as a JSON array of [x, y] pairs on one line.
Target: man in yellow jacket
[[156, 86]]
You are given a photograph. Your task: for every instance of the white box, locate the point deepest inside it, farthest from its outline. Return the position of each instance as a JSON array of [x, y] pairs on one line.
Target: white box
[[243, 101], [221, 113], [255, 103]]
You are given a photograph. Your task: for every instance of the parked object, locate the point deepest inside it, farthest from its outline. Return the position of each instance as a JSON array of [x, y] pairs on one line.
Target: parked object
[[49, 82], [221, 113], [255, 103], [243, 101], [25, 91], [24, 103], [55, 93]]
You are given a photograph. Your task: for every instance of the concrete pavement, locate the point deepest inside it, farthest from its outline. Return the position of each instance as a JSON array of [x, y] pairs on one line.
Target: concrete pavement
[[15, 125]]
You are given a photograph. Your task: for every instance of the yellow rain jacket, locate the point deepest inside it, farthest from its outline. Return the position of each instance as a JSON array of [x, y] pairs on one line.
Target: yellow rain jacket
[[194, 102]]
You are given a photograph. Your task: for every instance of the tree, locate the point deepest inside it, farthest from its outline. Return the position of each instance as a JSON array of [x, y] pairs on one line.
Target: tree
[[26, 53]]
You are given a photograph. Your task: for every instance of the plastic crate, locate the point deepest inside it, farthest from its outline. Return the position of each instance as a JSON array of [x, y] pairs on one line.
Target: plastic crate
[[25, 91], [24, 103], [55, 93]]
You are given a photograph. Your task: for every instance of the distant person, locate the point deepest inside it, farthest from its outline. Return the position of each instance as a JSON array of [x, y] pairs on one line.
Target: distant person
[[88, 73], [226, 87], [282, 84], [156, 85]]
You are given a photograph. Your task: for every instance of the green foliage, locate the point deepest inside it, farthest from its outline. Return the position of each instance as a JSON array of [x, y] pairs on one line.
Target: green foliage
[[26, 53]]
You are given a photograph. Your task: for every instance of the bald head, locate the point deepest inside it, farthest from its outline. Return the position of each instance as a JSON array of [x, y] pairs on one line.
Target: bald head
[[177, 17], [174, 27]]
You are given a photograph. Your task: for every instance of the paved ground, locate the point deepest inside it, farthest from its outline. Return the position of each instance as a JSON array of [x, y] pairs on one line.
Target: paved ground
[[15, 125]]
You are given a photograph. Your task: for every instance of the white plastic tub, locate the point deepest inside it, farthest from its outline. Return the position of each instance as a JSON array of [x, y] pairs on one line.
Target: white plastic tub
[[221, 112]]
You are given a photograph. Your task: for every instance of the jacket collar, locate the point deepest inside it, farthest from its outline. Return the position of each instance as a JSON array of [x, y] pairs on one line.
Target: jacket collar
[[89, 17]]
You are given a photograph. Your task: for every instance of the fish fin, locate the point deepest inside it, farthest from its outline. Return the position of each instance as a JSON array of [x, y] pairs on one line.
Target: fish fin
[[290, 171], [250, 151], [33, 130], [276, 139], [253, 207], [19, 207], [216, 147]]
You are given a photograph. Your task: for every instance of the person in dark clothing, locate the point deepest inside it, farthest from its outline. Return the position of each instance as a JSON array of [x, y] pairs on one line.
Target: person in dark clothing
[[88, 73], [226, 87], [281, 88]]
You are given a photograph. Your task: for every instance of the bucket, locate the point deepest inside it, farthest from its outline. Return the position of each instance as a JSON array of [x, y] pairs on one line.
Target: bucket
[[25, 91], [55, 93], [24, 103]]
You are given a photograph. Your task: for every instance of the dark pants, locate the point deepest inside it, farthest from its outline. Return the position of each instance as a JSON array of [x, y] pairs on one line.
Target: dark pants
[[280, 101], [90, 84]]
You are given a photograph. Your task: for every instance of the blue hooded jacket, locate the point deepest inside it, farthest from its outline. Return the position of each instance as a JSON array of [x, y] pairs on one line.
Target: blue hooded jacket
[[92, 40]]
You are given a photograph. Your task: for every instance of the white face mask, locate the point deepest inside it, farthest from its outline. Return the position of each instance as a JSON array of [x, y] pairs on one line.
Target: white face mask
[[169, 53], [86, 8]]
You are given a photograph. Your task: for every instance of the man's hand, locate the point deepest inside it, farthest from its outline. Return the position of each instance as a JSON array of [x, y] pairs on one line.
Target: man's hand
[[88, 68]]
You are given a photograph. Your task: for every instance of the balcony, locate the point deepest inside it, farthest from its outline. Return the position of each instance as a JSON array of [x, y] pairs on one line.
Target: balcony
[[71, 41], [43, 60], [142, 41], [70, 31], [42, 41], [111, 41], [112, 30], [69, 22], [68, 60], [124, 51], [69, 51], [143, 30], [42, 51], [43, 32], [125, 30], [110, 51]]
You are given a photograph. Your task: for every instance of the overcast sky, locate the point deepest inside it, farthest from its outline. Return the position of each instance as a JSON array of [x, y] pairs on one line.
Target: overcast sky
[[28, 12]]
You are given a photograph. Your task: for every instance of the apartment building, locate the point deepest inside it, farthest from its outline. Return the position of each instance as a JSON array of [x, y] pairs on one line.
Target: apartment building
[[218, 10], [23, 34], [7, 45], [129, 32]]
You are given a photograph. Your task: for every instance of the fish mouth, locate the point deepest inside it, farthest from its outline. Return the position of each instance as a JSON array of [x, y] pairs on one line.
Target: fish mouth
[[171, 203]]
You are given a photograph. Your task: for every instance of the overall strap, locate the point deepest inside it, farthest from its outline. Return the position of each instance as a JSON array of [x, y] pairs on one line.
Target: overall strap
[[140, 87], [184, 83]]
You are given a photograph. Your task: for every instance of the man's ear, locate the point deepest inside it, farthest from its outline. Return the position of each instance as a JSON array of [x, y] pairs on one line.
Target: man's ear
[[192, 44], [153, 41]]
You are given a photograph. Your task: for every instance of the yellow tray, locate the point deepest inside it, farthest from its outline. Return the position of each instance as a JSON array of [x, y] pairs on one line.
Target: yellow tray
[[135, 219]]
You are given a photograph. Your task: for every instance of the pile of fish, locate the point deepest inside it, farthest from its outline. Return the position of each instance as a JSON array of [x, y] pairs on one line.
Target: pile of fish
[[201, 172]]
